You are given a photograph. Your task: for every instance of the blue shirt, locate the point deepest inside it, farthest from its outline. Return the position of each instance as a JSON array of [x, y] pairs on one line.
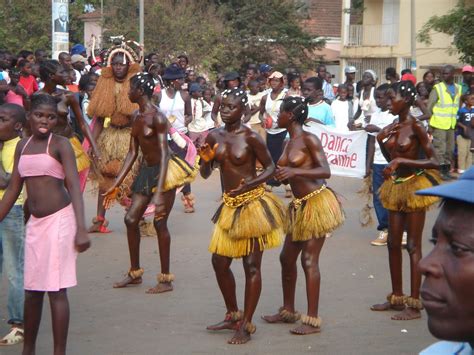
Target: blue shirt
[[451, 89], [322, 112], [448, 348]]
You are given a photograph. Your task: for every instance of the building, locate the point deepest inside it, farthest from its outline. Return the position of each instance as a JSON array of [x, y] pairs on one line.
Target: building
[[385, 36], [323, 19]]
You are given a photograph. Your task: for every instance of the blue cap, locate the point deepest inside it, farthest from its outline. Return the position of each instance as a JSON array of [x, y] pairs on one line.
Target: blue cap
[[265, 68], [462, 189], [195, 87], [78, 49]]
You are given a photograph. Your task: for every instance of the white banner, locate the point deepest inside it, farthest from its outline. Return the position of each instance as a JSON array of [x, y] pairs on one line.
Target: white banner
[[60, 27], [345, 151]]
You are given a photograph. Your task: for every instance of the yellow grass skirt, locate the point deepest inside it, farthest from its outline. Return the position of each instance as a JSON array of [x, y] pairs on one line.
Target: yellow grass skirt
[[314, 216], [400, 196], [180, 172], [253, 216], [82, 160]]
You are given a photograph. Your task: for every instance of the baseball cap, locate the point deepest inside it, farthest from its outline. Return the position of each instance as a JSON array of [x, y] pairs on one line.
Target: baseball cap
[[195, 87], [462, 189], [233, 75], [468, 69], [350, 69], [78, 49], [275, 75], [264, 68], [76, 58], [409, 77]]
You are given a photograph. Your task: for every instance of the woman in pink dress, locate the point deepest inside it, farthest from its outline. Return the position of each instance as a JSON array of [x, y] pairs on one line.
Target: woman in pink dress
[[56, 229]]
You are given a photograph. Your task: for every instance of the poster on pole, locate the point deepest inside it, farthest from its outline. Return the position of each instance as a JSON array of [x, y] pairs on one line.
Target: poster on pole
[[345, 151], [60, 27]]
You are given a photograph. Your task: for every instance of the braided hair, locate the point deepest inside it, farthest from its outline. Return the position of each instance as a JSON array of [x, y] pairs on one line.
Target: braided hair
[[238, 93], [406, 89], [43, 99], [298, 106], [143, 81], [47, 68]]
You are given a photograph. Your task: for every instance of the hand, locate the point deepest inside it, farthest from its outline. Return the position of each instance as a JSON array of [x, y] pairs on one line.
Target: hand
[[110, 197], [391, 168], [243, 187], [82, 241], [20, 91], [367, 173], [371, 128], [284, 173], [207, 153]]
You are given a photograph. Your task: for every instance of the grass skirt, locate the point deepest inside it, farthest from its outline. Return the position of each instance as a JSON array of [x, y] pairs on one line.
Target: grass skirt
[[113, 144], [82, 160], [401, 197], [313, 218], [179, 173], [254, 215]]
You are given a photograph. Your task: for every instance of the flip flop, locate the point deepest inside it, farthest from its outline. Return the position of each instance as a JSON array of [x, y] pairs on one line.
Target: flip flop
[[14, 336]]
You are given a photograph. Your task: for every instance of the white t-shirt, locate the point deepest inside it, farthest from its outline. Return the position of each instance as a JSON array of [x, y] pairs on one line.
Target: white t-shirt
[[340, 110], [206, 111], [198, 124], [272, 108], [174, 107], [368, 106], [380, 119], [254, 100]]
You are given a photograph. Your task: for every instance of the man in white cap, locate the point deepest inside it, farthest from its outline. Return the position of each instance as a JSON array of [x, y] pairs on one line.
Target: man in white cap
[[350, 72]]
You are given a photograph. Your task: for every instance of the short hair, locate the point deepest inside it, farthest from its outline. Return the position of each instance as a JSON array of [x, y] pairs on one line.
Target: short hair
[[383, 87], [390, 71], [320, 66], [47, 68], [183, 56], [343, 87], [317, 82], [406, 71], [24, 53], [86, 80], [43, 99], [18, 112], [448, 67], [62, 55], [427, 73]]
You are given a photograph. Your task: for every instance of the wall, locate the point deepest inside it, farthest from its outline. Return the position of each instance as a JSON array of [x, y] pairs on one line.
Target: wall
[[324, 18]]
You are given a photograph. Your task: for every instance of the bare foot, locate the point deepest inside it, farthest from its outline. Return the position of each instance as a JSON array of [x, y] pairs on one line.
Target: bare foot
[[276, 318], [128, 281], [241, 336], [305, 329], [387, 307], [225, 324], [408, 314], [160, 288]]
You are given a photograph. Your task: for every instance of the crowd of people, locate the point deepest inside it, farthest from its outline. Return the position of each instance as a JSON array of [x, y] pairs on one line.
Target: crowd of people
[[143, 133]]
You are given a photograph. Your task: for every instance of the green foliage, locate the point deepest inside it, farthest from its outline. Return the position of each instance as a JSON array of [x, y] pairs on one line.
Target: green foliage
[[26, 24], [458, 23]]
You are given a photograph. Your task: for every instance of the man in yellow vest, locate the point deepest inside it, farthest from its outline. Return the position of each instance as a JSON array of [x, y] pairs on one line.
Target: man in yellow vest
[[443, 104]]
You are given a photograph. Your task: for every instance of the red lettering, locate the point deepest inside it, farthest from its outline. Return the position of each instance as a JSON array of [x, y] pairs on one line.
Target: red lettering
[[324, 139]]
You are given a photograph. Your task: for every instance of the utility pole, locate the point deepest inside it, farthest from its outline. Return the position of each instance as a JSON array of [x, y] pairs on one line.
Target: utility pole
[[413, 35], [142, 24]]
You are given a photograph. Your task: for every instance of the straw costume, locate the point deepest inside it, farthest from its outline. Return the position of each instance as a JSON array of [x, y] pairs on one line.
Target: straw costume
[[398, 194], [111, 100], [314, 215], [240, 220]]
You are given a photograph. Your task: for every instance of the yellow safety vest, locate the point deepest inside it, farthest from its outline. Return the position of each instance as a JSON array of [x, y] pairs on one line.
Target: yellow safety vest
[[446, 109]]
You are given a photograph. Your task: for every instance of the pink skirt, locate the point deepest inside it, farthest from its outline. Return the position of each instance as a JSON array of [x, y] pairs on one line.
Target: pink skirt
[[50, 254]]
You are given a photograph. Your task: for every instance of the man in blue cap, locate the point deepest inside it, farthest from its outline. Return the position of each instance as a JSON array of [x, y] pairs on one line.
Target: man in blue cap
[[447, 291], [79, 49]]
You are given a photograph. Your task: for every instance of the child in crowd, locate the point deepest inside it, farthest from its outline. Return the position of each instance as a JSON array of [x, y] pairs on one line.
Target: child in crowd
[[17, 94], [86, 86], [198, 126], [56, 228], [207, 103], [343, 108], [12, 229], [255, 96], [376, 161], [465, 126], [27, 80], [318, 110]]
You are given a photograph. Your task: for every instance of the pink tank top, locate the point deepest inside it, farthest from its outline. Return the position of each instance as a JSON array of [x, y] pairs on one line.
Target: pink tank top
[[41, 164]]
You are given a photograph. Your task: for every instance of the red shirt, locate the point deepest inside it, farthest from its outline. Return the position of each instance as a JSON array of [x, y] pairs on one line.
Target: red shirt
[[29, 83]]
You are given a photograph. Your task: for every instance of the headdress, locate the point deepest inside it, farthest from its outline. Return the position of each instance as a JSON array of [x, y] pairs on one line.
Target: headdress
[[122, 46]]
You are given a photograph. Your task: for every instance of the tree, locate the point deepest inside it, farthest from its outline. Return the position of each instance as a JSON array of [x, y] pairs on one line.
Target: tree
[[26, 24], [458, 23], [268, 31]]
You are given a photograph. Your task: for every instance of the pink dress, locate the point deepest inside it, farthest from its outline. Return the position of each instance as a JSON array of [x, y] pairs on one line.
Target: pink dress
[[50, 255]]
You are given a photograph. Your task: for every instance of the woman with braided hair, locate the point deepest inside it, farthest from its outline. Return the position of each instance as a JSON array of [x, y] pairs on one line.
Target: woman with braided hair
[[160, 174], [314, 212], [110, 99], [401, 143], [249, 219]]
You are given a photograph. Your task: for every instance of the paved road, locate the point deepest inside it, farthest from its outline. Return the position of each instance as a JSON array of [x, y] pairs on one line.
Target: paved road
[[354, 275]]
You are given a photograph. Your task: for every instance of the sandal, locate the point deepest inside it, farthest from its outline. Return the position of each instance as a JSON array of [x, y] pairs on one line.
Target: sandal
[[14, 336], [99, 225]]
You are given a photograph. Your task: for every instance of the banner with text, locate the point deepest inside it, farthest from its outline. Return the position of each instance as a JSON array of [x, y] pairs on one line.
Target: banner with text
[[60, 27], [345, 151]]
